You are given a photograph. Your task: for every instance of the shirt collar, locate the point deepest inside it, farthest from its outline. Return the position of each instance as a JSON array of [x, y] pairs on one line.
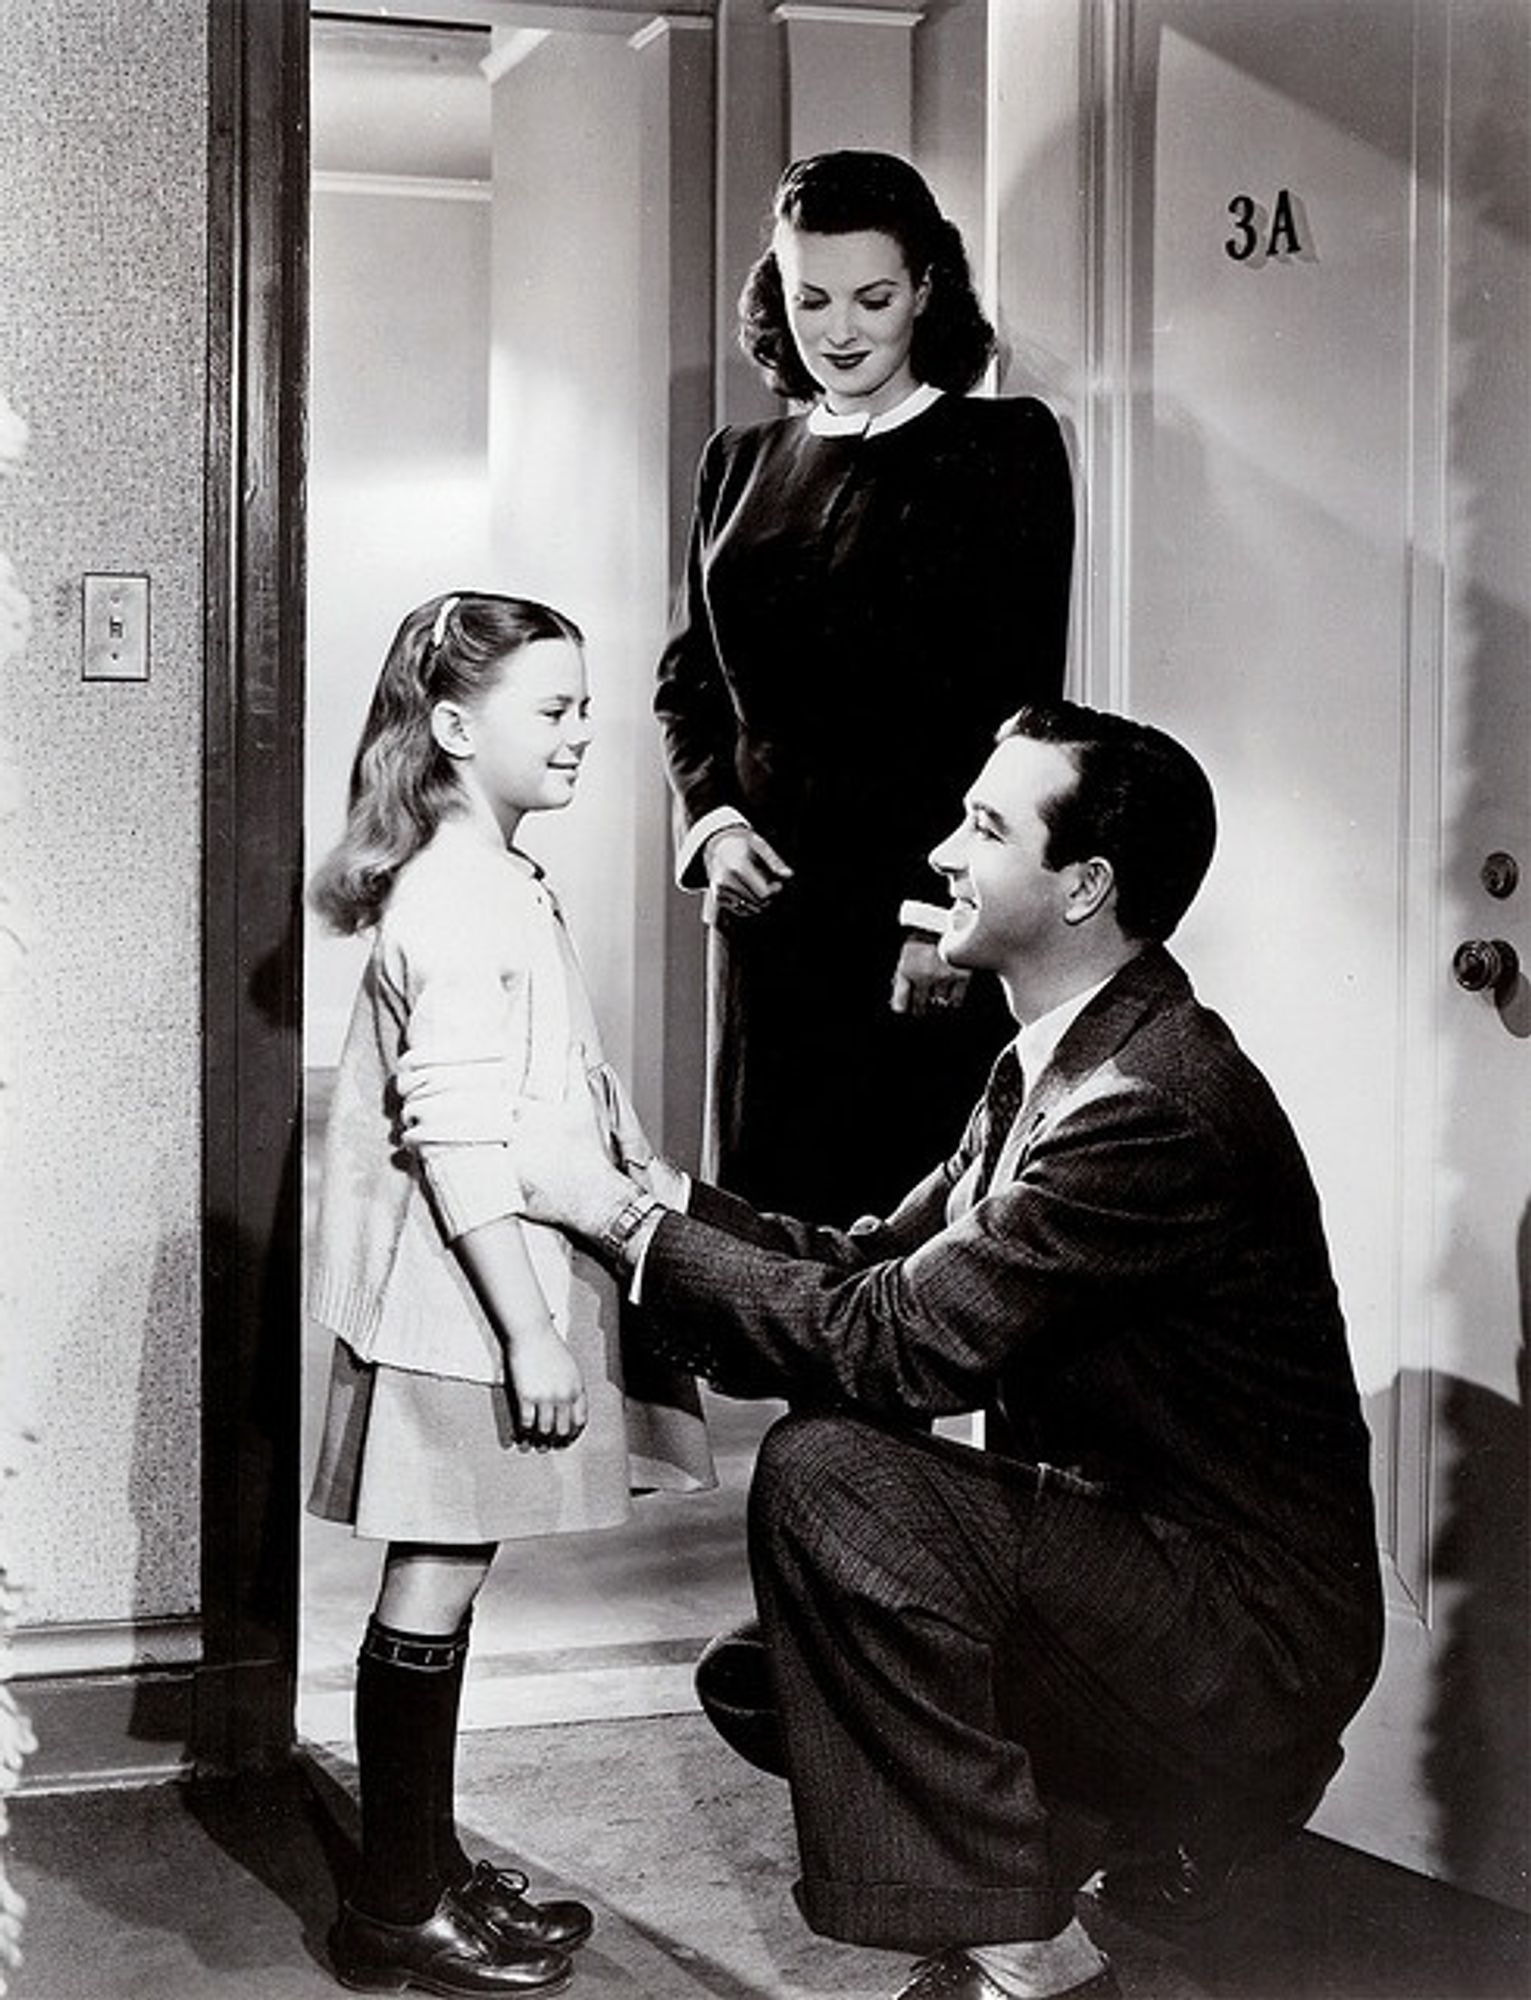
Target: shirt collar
[[823, 422], [1037, 1043]]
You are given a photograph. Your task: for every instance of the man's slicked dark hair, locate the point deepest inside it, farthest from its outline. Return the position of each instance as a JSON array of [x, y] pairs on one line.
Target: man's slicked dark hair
[[1141, 801]]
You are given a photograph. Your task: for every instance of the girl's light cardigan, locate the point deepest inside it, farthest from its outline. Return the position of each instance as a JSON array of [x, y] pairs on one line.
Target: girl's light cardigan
[[473, 993]]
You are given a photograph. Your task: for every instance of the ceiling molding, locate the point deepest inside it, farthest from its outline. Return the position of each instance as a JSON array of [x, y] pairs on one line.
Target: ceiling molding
[[418, 187], [565, 16]]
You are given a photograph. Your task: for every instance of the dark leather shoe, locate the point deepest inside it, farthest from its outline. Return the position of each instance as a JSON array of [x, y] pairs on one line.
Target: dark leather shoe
[[452, 1952], [733, 1684], [1175, 1886], [1167, 1889], [498, 1895], [952, 1975]]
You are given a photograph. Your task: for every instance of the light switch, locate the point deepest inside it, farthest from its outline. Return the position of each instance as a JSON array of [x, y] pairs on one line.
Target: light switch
[[116, 628]]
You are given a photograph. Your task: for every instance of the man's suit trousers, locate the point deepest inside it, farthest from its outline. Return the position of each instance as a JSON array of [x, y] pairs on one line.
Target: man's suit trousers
[[967, 1704]]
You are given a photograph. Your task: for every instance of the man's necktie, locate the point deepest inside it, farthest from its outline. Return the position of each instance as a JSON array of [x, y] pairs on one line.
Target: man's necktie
[[1002, 1100]]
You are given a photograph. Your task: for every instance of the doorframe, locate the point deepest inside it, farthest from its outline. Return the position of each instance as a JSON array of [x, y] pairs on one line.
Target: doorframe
[[254, 569], [255, 590]]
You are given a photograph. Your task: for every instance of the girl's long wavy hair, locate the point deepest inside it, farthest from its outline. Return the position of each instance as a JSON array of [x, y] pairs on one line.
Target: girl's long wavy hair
[[403, 784], [833, 194]]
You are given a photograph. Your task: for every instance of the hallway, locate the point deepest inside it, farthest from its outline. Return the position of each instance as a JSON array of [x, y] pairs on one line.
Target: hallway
[[584, 1761], [686, 1855]]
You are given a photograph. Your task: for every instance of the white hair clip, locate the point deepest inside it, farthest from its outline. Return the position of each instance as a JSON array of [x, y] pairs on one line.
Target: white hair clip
[[439, 629]]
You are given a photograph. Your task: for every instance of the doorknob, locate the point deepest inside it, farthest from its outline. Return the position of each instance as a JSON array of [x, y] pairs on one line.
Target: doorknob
[[1485, 965]]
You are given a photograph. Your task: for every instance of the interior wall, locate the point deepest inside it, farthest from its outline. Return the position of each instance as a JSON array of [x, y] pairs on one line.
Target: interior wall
[[1303, 472], [751, 152], [398, 466], [1040, 248], [103, 358], [398, 486], [949, 123], [579, 445], [1039, 199]]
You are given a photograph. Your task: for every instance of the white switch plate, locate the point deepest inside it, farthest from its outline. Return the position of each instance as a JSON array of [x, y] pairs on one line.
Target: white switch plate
[[116, 635]]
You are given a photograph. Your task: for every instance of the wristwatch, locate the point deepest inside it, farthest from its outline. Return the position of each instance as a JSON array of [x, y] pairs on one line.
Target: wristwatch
[[618, 1234]]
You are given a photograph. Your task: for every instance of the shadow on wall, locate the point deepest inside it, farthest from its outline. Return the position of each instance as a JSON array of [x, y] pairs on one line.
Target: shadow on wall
[[1478, 1763], [1477, 1748], [163, 1485], [245, 1586]]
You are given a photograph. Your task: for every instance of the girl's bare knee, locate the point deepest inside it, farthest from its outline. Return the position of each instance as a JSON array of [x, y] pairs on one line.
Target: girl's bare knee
[[430, 1589]]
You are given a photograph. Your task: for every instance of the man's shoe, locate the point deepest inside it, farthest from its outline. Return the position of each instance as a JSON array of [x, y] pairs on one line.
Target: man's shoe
[[1172, 1888], [952, 1975], [498, 1896], [453, 1952]]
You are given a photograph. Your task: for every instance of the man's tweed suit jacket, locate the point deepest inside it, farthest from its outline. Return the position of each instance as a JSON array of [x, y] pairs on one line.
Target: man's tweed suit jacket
[[1148, 1298]]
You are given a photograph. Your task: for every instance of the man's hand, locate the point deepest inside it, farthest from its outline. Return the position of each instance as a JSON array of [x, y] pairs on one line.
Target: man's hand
[[923, 982], [744, 871], [560, 1160]]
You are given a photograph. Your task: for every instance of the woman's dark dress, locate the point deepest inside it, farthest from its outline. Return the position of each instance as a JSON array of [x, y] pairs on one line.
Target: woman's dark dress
[[859, 614]]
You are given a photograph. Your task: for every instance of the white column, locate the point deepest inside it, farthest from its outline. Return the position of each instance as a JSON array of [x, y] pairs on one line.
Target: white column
[[850, 76], [1054, 246]]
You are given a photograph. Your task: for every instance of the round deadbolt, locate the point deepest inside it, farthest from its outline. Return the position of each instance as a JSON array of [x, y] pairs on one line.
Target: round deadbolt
[[1500, 874]]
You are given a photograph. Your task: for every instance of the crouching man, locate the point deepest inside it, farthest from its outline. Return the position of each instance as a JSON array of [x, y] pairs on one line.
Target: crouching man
[[1136, 1624]]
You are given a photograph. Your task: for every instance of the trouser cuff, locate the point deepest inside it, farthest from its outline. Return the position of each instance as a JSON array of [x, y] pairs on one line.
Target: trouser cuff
[[901, 1916]]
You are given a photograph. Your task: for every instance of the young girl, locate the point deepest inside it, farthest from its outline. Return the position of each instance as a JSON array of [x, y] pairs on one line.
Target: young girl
[[476, 1392]]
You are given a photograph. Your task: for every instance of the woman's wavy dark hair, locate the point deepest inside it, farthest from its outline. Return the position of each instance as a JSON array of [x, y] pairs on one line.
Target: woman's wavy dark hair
[[403, 784], [833, 194]]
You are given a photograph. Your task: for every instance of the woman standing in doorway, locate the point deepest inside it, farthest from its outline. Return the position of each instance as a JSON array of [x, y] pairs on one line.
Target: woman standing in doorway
[[871, 587]]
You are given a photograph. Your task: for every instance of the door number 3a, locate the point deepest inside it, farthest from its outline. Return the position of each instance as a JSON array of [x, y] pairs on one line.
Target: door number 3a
[[1259, 233]]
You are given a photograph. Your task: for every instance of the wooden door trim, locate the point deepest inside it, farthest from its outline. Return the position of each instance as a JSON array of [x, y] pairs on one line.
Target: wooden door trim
[[1111, 171], [252, 878]]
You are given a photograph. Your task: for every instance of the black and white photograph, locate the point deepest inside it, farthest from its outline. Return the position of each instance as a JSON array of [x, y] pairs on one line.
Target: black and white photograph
[[765, 999]]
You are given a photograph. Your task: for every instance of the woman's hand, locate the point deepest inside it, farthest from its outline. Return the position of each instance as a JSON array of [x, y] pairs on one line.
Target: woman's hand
[[547, 1391], [744, 871], [923, 982]]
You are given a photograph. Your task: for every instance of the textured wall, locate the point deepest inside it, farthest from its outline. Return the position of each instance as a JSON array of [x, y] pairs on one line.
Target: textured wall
[[102, 353]]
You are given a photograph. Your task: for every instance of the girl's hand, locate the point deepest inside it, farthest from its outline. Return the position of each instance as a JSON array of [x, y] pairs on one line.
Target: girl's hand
[[744, 871], [547, 1392], [923, 982]]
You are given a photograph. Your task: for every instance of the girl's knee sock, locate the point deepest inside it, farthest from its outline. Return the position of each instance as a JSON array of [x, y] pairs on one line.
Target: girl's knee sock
[[408, 1690], [451, 1861]]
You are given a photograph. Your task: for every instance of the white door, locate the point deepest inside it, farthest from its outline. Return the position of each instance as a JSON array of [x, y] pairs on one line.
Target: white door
[[1301, 330]]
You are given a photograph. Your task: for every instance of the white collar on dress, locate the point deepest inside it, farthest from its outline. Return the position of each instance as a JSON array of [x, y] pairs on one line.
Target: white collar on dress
[[823, 421]]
